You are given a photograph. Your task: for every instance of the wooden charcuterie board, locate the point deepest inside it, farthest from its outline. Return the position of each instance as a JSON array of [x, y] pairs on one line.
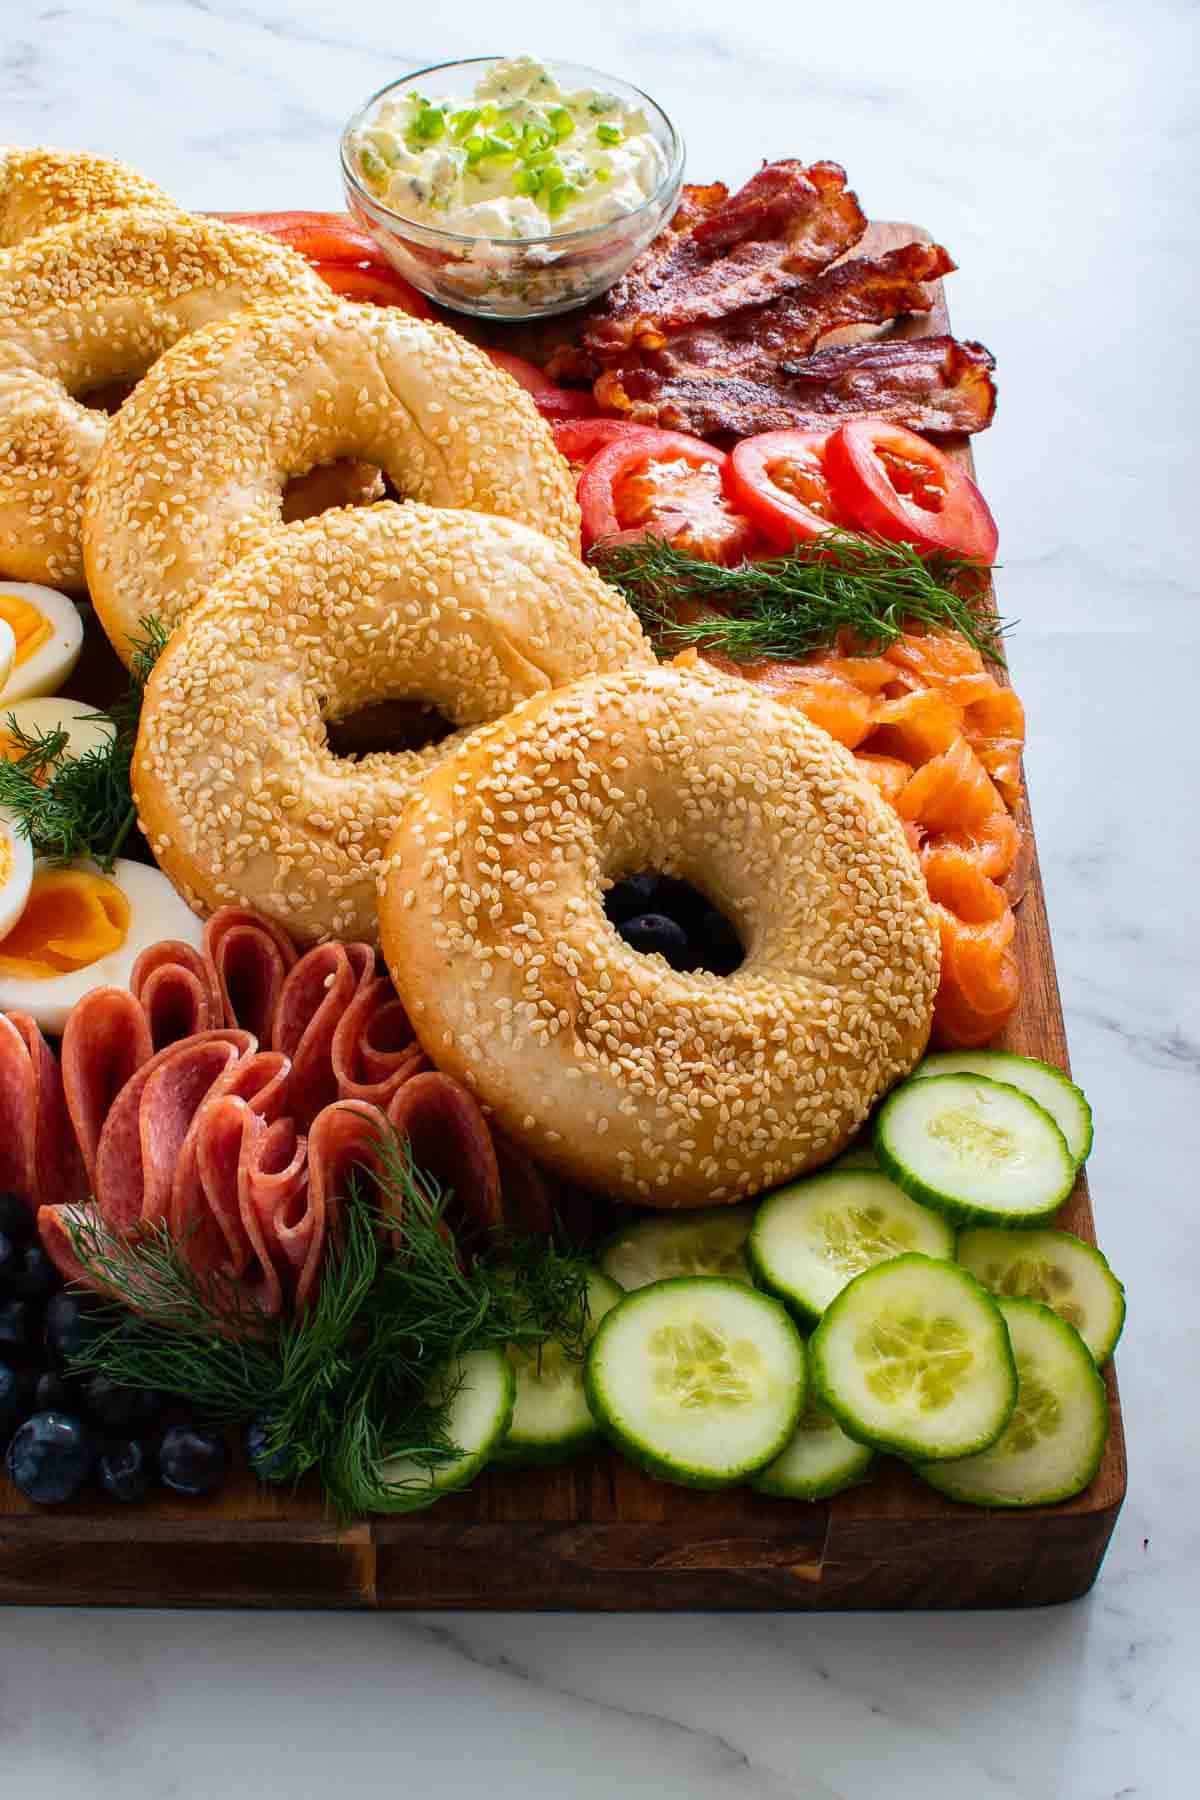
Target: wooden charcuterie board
[[596, 1534]]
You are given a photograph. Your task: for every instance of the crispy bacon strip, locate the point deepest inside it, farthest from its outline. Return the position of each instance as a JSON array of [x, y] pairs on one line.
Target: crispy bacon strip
[[928, 384], [723, 254], [868, 290]]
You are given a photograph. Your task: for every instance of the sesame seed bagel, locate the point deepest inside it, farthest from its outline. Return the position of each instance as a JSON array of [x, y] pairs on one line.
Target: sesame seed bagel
[[40, 188], [670, 1089], [237, 788], [196, 462], [92, 303]]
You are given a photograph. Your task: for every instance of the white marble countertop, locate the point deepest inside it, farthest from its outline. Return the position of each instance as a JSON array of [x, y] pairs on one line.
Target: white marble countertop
[[1046, 143]]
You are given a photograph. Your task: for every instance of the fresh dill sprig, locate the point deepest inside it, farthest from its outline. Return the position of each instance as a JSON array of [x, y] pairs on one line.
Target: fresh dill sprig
[[71, 806], [785, 607], [360, 1377], [426, 1307]]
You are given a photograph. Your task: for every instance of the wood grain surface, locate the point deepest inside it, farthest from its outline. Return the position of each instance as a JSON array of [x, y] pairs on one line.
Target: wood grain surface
[[597, 1534]]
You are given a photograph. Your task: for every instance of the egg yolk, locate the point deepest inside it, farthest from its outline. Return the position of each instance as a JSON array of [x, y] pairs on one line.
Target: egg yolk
[[72, 918], [31, 628], [6, 861]]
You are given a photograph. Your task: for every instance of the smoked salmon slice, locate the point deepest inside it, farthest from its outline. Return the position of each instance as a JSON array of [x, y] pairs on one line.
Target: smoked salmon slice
[[951, 792], [888, 773], [933, 730]]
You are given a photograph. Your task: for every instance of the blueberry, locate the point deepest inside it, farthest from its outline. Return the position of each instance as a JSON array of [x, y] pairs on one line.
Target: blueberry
[[34, 1276], [50, 1457], [18, 1331], [116, 1408], [73, 1321], [651, 932], [635, 894], [10, 1261], [16, 1220], [192, 1461], [51, 1393], [122, 1470], [17, 1399], [267, 1466]]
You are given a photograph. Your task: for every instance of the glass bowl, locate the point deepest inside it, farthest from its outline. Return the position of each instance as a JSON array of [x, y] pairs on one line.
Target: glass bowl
[[512, 277]]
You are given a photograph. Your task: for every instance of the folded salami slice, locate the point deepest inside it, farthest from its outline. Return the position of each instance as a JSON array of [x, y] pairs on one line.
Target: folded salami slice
[[346, 1139], [259, 1081], [274, 1195], [105, 1042], [448, 1138], [54, 1229], [144, 1132], [250, 958], [315, 996], [179, 992], [261, 1234], [374, 1048], [38, 1158]]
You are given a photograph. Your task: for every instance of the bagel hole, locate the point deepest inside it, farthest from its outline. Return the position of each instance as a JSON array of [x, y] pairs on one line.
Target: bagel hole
[[387, 725], [109, 397], [652, 911], [345, 482]]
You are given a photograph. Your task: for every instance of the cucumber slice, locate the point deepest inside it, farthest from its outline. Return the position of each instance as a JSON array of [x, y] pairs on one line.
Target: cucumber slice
[[820, 1460], [1066, 1103], [551, 1417], [979, 1150], [1070, 1277], [811, 1238], [481, 1392], [699, 1380], [658, 1248], [1052, 1445], [913, 1356]]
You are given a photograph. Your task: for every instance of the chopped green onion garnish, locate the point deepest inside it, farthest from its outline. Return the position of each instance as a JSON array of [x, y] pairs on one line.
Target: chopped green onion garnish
[[560, 197], [610, 134], [534, 139], [463, 123], [372, 164], [490, 149], [427, 127], [602, 175], [561, 122], [526, 181]]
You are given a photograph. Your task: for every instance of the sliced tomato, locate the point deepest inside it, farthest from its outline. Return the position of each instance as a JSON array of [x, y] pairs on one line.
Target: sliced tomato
[[891, 482], [779, 479], [663, 484], [377, 283], [579, 439], [552, 401], [321, 236]]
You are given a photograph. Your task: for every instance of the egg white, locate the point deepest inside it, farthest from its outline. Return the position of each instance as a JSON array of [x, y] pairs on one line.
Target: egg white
[[86, 729], [48, 668], [156, 912], [8, 652], [14, 888]]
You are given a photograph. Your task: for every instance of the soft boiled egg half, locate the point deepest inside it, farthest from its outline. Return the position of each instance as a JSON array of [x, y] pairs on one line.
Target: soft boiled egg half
[[80, 929], [86, 729], [47, 634], [16, 872]]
